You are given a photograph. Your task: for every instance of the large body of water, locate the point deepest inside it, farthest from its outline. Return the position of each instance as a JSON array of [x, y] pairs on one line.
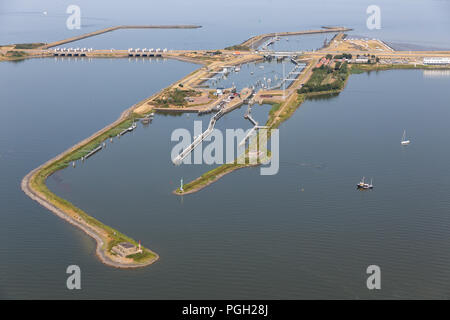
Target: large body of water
[[421, 22], [303, 233]]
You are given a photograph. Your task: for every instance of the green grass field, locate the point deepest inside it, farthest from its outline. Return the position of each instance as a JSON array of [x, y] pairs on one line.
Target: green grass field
[[38, 183]]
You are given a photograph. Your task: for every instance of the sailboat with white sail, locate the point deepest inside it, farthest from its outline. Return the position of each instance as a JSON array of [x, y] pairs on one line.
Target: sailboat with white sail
[[405, 142]]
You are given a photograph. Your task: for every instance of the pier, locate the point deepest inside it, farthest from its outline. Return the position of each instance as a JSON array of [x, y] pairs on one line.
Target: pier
[[93, 152], [255, 123], [198, 139], [224, 107], [249, 117], [291, 76], [129, 129]]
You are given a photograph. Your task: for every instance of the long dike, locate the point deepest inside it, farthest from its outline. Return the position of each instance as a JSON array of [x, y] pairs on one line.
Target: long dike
[[110, 29]]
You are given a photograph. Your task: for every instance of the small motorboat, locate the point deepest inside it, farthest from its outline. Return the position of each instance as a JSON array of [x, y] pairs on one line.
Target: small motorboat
[[132, 127]]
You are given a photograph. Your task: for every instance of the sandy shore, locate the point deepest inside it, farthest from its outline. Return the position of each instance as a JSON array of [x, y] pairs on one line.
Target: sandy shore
[[93, 232], [96, 233]]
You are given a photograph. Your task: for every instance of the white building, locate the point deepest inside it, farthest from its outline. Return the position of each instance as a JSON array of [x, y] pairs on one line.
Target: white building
[[125, 249], [436, 61], [361, 60]]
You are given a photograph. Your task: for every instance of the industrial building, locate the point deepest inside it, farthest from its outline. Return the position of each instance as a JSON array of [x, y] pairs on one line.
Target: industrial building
[[436, 61]]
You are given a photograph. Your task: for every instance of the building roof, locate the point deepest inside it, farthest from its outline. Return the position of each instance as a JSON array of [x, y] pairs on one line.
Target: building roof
[[126, 245]]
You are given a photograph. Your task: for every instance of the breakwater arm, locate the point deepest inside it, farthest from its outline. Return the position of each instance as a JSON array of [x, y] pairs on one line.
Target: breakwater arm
[[110, 29], [257, 40]]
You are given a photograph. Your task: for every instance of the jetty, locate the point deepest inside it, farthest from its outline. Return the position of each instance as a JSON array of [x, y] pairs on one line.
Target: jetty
[[129, 129], [226, 106], [255, 123], [257, 40], [110, 29], [93, 152], [178, 159]]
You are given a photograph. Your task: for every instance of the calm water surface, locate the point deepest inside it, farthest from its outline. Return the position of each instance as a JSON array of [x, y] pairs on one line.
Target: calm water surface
[[304, 233], [49, 105]]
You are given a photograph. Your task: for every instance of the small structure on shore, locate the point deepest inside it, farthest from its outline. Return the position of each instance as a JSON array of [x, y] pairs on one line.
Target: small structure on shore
[[125, 249], [147, 119]]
